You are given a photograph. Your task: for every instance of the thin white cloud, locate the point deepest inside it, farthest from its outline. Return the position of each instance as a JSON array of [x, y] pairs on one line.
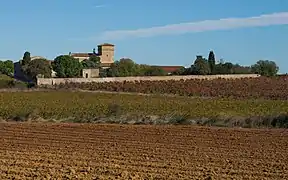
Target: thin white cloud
[[280, 18], [99, 6]]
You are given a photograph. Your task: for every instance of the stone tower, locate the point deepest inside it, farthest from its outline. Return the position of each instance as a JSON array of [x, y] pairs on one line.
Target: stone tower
[[106, 53]]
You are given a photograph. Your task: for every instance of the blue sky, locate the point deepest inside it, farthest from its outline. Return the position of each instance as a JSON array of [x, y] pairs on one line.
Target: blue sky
[[54, 27]]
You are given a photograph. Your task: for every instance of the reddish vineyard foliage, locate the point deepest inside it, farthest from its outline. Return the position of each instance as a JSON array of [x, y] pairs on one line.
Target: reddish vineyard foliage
[[263, 87]]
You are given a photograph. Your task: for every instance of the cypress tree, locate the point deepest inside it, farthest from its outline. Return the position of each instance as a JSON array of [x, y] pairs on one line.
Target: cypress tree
[[211, 62], [26, 58]]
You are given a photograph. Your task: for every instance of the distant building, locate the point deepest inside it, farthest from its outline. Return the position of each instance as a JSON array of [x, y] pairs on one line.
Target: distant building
[[90, 73], [105, 52], [37, 57], [169, 69]]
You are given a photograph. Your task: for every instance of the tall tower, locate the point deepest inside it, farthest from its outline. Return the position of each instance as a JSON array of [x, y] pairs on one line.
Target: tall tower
[[106, 53]]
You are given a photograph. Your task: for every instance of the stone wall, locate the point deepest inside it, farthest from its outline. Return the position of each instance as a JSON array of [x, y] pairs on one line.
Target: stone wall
[[54, 81]]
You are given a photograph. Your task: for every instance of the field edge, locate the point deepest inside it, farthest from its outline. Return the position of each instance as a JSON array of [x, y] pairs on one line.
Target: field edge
[[273, 121]]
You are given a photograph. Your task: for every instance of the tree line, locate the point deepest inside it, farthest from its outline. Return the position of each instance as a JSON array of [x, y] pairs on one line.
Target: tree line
[[7, 67], [67, 66], [203, 66]]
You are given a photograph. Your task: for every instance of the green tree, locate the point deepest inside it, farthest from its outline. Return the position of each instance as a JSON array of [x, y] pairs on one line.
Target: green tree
[[92, 62], [2, 67], [123, 68], [228, 68], [201, 66], [224, 68], [146, 70], [26, 58], [265, 68], [95, 59], [211, 62], [113, 71], [88, 64], [127, 67], [142, 69], [7, 67], [38, 67], [103, 72], [154, 71], [67, 66], [238, 69], [181, 71]]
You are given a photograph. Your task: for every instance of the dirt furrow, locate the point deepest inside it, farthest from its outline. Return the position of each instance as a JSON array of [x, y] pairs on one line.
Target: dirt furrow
[[87, 151]]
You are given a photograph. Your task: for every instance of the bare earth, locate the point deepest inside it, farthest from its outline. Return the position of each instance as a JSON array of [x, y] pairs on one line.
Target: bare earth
[[87, 151]]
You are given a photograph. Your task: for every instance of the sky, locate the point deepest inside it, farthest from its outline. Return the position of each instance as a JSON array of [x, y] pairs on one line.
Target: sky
[[154, 32]]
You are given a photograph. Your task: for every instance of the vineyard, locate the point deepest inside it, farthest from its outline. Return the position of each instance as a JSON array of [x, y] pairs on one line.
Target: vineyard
[[87, 151], [92, 107], [262, 87]]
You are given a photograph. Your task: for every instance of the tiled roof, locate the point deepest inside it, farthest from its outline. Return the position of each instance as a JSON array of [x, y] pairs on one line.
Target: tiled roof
[[81, 54], [106, 44], [37, 57], [170, 69], [102, 64]]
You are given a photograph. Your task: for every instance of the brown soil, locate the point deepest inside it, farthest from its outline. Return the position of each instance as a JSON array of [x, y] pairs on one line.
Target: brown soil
[[89, 151]]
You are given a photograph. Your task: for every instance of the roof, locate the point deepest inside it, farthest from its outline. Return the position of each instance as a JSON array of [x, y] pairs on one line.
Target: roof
[[170, 69], [101, 64], [40, 57], [81, 54], [37, 57], [106, 44]]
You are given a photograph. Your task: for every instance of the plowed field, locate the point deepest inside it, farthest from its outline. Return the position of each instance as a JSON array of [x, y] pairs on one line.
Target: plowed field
[[87, 151]]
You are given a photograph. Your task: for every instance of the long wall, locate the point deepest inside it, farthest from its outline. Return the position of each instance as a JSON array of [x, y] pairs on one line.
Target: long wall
[[54, 81]]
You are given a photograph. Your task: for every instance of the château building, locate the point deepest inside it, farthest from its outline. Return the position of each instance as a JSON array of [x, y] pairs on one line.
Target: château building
[[105, 52]]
